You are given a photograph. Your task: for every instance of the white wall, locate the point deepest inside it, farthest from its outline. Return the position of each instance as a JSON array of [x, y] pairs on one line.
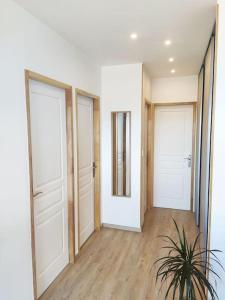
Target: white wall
[[175, 89], [217, 226], [25, 43], [147, 88], [121, 88]]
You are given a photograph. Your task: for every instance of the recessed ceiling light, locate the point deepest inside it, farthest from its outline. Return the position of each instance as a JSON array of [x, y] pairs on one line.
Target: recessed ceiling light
[[133, 36], [167, 42], [171, 59], [173, 71]]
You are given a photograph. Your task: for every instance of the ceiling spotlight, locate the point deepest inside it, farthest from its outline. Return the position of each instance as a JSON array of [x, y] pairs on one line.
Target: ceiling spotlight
[[133, 36], [168, 42], [173, 71], [171, 59]]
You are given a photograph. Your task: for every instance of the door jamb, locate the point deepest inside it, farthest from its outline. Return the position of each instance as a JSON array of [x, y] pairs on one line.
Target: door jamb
[[97, 182], [151, 150], [29, 75]]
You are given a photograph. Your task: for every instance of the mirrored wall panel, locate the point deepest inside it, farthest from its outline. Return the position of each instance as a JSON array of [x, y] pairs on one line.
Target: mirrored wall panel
[[198, 143], [121, 130], [206, 143]]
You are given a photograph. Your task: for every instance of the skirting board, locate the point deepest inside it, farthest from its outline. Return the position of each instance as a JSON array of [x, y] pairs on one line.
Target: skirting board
[[135, 229]]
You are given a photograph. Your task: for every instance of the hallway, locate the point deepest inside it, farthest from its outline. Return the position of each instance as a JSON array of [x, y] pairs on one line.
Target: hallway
[[116, 264]]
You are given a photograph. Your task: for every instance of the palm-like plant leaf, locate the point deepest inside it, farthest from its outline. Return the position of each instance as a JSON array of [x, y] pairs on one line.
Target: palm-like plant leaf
[[185, 268]]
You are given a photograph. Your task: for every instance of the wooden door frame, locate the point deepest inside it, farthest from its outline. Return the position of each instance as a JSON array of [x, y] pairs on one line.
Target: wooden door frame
[[97, 178], [29, 75], [151, 142]]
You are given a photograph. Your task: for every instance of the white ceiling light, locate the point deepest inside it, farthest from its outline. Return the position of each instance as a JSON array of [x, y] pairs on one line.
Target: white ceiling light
[[167, 42], [171, 59], [133, 36], [173, 71]]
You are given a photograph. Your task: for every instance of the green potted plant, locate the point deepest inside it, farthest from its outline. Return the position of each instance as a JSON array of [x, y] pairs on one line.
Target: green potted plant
[[184, 268]]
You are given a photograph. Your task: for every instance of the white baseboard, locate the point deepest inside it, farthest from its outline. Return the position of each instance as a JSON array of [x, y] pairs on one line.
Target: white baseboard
[[135, 229]]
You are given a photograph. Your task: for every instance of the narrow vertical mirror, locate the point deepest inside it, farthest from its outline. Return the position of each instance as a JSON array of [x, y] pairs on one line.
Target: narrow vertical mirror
[[121, 153]]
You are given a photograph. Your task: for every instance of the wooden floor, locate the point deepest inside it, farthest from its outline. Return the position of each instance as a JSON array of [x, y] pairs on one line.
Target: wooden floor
[[117, 265]]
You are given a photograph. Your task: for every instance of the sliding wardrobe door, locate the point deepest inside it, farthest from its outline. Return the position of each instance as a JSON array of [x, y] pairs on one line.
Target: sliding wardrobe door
[[206, 142], [198, 143]]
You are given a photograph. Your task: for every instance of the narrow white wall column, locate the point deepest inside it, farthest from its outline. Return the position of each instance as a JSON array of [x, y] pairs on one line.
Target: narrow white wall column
[[121, 89]]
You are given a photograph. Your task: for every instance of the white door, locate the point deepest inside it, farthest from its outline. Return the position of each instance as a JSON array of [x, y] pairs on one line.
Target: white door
[[173, 156], [49, 163], [145, 158], [85, 166]]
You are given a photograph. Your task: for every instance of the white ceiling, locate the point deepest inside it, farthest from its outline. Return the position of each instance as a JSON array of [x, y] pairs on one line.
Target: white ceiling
[[101, 28]]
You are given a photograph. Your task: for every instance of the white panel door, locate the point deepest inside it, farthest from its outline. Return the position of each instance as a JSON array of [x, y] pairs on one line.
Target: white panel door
[[85, 165], [145, 158], [49, 163], [172, 156]]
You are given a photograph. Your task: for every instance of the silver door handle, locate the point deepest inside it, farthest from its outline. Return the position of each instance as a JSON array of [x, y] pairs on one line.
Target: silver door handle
[[36, 194], [189, 158], [94, 167]]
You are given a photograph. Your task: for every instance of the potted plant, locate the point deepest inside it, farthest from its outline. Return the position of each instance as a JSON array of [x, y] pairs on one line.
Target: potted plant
[[184, 268]]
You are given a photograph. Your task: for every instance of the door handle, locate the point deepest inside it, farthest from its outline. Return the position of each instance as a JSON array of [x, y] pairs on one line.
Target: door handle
[[36, 194], [94, 167], [189, 158]]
